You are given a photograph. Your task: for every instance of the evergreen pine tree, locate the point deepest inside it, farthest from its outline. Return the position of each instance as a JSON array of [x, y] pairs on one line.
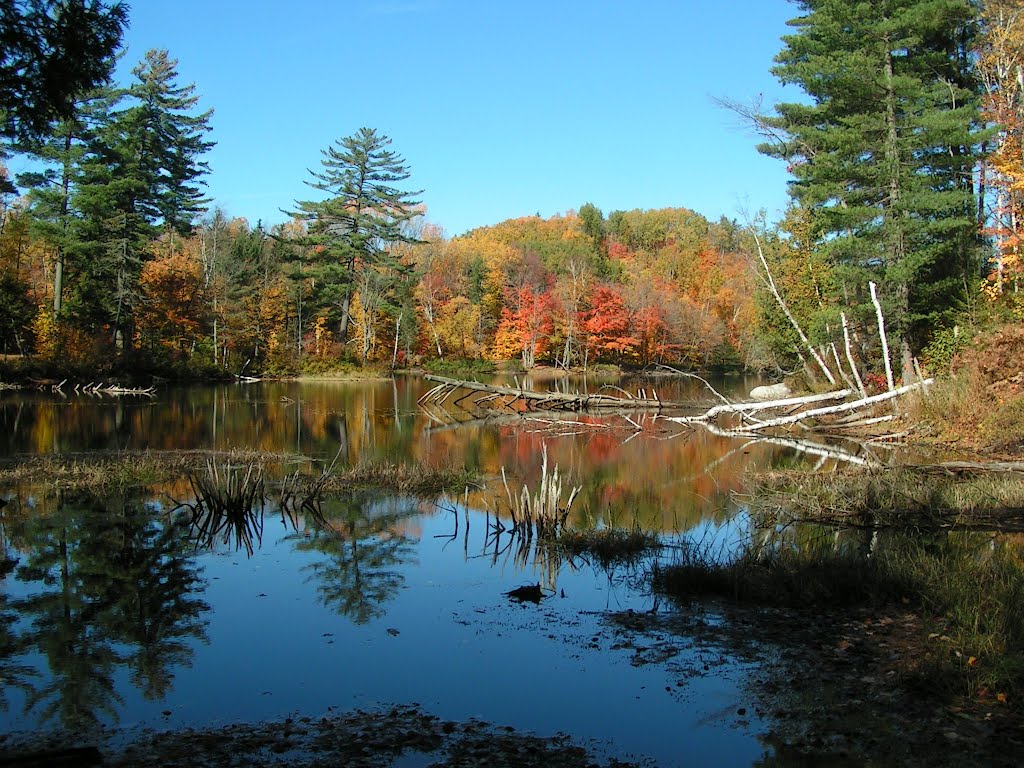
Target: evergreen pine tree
[[884, 152], [366, 214], [140, 176]]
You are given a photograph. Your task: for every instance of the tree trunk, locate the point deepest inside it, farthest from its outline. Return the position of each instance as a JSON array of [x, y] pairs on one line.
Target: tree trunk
[[770, 282], [897, 235]]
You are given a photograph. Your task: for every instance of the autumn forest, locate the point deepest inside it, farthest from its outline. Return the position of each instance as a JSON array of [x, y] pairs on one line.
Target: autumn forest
[[906, 182]]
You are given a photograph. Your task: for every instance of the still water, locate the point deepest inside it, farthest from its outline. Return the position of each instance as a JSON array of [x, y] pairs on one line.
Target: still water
[[115, 611]]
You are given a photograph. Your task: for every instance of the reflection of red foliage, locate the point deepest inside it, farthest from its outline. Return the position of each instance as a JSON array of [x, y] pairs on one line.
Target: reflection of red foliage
[[602, 448], [612, 495]]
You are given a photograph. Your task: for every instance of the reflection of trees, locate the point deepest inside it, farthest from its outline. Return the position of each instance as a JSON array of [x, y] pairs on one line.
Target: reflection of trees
[[113, 588], [149, 594], [362, 549], [13, 672]]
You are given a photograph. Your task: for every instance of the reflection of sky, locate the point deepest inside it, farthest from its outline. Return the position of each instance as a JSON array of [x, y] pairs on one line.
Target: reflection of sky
[[457, 646]]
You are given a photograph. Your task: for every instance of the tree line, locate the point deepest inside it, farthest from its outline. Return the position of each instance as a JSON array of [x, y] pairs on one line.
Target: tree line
[[904, 158]]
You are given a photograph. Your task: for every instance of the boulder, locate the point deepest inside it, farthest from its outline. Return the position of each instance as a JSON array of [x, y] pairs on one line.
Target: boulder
[[771, 392]]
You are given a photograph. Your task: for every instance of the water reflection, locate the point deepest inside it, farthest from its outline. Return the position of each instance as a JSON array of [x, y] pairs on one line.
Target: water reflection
[[363, 547], [104, 585], [665, 477]]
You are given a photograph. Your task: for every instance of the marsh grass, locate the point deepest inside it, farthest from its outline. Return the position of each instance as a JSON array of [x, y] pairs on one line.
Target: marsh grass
[[100, 472], [416, 479], [914, 498], [229, 504], [609, 546], [967, 587], [541, 510], [944, 540]]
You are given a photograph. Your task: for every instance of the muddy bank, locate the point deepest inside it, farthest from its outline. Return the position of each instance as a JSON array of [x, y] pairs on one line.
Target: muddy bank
[[843, 688], [356, 739]]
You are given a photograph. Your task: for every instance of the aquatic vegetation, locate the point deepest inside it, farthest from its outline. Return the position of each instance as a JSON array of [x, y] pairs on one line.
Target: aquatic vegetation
[[541, 511], [967, 587], [609, 546], [923, 497], [229, 503]]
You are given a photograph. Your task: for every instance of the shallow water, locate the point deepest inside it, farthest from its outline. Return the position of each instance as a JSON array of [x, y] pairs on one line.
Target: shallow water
[[116, 614]]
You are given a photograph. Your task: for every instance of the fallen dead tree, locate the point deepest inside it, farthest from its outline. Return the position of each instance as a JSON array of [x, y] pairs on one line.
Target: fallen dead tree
[[114, 390], [820, 412], [92, 388], [520, 399], [795, 412]]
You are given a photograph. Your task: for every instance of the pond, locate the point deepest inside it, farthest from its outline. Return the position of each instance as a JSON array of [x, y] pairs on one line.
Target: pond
[[116, 612]]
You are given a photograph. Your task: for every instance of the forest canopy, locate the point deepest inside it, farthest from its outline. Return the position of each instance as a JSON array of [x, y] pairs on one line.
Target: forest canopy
[[904, 158]]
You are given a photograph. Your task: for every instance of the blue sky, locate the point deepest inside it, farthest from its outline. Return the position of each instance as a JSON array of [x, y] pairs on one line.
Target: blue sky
[[500, 109]]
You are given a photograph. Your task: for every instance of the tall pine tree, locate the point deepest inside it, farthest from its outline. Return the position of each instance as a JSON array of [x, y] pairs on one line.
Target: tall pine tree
[[353, 230], [140, 177], [884, 152]]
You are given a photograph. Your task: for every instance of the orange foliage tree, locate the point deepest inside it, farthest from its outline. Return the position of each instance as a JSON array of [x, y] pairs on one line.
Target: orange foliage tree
[[525, 327], [1000, 62], [172, 307], [606, 325]]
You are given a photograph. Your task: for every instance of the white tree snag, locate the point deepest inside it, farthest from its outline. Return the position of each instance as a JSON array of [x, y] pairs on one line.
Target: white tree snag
[[849, 356], [839, 364], [851, 406], [770, 282], [881, 335], [764, 405]]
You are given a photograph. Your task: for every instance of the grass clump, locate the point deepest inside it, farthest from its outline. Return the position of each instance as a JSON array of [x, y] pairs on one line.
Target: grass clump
[[403, 478], [609, 546], [121, 470], [542, 510]]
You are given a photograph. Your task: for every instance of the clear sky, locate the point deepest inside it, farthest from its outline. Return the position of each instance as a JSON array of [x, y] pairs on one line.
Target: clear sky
[[501, 108]]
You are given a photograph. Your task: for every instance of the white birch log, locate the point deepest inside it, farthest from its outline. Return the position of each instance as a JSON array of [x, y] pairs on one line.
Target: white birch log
[[765, 405], [849, 356], [852, 405]]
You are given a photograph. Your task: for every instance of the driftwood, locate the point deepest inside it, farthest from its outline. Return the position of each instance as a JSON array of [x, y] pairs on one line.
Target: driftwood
[[521, 399], [92, 388], [114, 390], [796, 415], [854, 416]]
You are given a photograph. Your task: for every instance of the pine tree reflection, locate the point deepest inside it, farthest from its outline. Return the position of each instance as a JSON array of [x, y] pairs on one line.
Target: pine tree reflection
[[111, 586], [363, 546], [13, 671]]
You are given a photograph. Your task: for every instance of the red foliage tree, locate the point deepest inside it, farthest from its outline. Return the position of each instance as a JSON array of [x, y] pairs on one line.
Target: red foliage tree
[[606, 326]]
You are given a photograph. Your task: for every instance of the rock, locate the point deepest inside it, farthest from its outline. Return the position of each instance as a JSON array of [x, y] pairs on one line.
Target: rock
[[771, 392], [532, 594]]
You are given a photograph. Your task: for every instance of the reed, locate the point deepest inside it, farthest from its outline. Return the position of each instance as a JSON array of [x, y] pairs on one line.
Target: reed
[[229, 504], [541, 511], [921, 498], [609, 546]]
